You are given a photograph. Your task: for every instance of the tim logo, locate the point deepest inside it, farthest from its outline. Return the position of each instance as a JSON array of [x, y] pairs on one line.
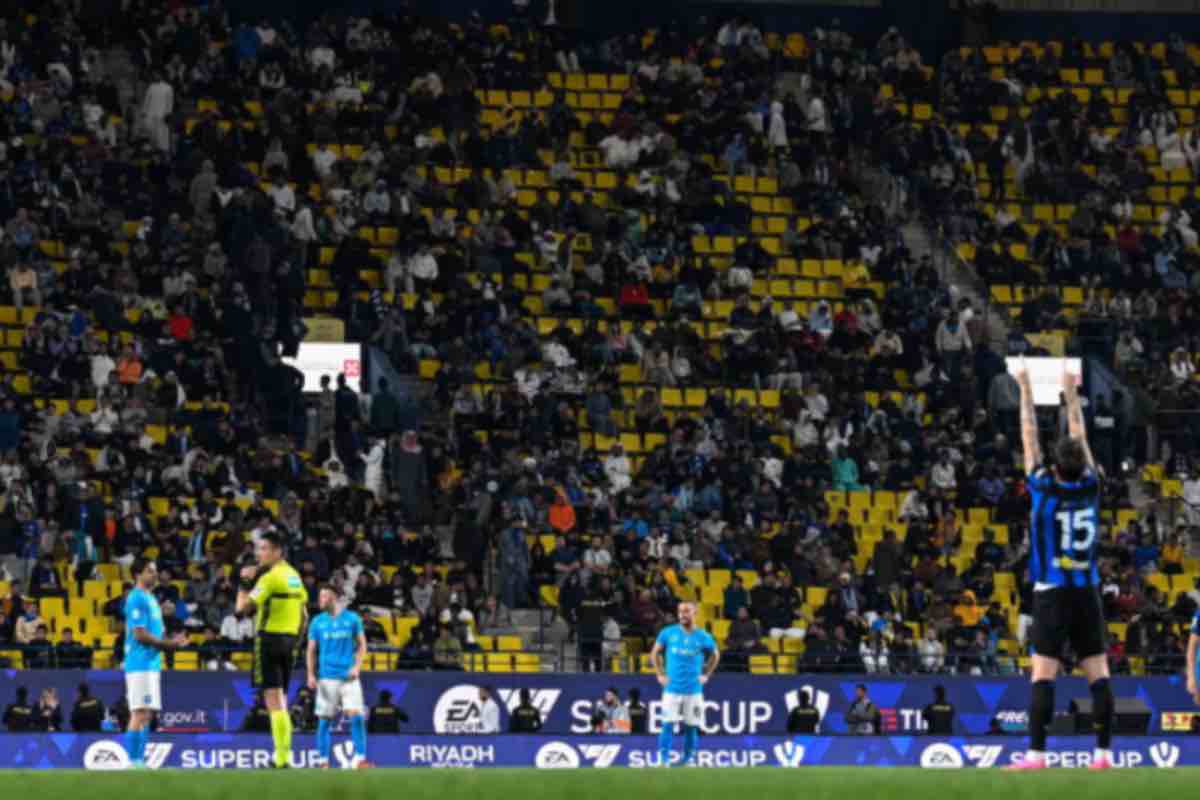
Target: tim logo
[[1164, 755], [351, 367], [820, 700], [789, 754], [983, 755], [542, 699]]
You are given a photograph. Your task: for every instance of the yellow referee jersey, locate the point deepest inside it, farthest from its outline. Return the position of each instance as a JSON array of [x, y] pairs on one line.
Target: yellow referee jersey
[[280, 598]]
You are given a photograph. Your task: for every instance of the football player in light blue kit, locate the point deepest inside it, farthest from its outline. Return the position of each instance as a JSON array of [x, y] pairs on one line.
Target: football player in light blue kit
[[144, 644], [1193, 645], [684, 658], [337, 647]]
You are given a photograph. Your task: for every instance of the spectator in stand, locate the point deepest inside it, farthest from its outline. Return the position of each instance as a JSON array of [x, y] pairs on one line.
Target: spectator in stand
[[28, 624], [932, 652], [743, 640], [736, 599], [70, 654]]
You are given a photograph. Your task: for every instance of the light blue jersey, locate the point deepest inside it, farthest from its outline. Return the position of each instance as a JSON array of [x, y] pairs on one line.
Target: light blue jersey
[[685, 654], [142, 611], [337, 643]]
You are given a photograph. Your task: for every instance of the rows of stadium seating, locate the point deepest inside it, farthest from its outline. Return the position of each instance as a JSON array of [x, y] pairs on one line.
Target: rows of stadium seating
[[805, 279]]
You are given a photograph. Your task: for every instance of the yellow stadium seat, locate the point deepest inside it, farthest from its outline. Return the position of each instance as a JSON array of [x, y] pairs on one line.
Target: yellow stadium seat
[[762, 665], [186, 660]]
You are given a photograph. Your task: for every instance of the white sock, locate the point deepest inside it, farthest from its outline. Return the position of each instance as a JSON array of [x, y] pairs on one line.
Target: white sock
[[1035, 755], [1101, 753]]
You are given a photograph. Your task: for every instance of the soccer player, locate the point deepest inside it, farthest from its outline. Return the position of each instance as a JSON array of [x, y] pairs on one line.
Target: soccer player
[[1064, 523], [337, 647], [276, 594], [1193, 678], [684, 657], [144, 644]]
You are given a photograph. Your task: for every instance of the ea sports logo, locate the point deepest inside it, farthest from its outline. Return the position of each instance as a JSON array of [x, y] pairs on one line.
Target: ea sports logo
[[941, 756], [457, 710], [556, 755], [105, 755]]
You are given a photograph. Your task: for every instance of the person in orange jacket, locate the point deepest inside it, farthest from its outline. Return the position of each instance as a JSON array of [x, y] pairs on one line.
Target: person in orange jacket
[[562, 513]]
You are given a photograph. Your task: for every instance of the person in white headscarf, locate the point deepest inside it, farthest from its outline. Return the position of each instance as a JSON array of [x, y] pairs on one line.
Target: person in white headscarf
[[373, 478], [777, 134], [334, 474], [618, 470], [157, 105]]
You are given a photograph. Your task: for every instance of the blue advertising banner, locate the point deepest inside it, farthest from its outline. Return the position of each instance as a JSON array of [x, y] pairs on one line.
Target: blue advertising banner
[[247, 751], [736, 704]]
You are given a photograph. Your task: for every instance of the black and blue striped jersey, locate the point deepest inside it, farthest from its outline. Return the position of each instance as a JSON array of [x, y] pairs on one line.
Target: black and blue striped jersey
[[1063, 531]]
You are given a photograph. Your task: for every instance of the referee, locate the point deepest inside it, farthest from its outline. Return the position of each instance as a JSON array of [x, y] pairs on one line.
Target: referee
[[275, 592]]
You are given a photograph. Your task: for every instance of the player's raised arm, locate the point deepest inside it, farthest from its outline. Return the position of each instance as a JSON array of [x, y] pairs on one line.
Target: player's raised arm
[[1030, 443], [1076, 428]]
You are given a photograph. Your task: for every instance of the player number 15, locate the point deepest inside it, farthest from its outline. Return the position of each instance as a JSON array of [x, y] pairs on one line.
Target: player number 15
[[1072, 523]]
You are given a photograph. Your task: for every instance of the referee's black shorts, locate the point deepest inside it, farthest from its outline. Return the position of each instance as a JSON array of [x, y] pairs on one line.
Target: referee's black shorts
[[274, 657], [1069, 614]]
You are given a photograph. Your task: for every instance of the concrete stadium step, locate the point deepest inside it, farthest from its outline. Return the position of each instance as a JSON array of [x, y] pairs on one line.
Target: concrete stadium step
[[961, 282]]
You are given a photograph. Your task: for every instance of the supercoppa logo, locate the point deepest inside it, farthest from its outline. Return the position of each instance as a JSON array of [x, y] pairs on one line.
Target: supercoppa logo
[[343, 753], [789, 754], [1164, 755]]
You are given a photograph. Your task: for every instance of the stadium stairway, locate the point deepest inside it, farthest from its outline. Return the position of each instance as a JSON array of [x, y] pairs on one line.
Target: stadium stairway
[[962, 282], [542, 633], [874, 183]]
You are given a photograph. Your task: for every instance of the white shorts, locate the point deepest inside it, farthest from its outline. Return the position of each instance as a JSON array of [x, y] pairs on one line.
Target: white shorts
[[143, 690], [685, 708], [335, 695]]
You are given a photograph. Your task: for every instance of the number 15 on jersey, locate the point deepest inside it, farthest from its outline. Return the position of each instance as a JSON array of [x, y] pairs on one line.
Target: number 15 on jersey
[[1078, 533]]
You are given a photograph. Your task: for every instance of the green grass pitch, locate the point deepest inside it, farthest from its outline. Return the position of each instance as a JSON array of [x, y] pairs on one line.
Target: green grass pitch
[[813, 783]]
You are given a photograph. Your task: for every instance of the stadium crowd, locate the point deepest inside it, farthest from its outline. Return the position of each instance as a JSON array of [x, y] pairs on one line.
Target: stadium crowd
[[175, 192]]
